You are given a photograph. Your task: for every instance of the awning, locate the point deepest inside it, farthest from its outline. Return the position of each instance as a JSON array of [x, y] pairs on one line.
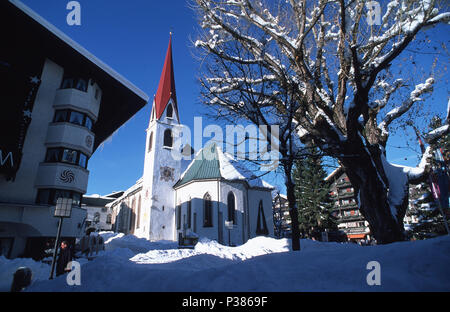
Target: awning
[[363, 235]]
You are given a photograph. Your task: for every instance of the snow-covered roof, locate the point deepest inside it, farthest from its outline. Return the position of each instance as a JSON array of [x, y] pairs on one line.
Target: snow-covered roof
[[336, 171], [212, 163]]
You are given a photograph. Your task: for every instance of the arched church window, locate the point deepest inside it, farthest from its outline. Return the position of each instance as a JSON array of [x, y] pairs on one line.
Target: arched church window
[[261, 226], [168, 140], [150, 142], [189, 213], [207, 211], [170, 111], [231, 207]]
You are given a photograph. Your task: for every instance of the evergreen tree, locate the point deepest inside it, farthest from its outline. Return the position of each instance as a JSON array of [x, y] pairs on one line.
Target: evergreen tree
[[312, 194]]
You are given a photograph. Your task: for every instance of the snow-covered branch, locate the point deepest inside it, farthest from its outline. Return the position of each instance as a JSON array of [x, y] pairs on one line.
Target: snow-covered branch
[[398, 111]]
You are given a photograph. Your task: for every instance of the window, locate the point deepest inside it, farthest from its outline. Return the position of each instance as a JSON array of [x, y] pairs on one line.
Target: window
[[81, 85], [53, 155], [67, 83], [43, 196], [82, 162], [76, 199], [207, 211], [61, 115], [88, 123], [178, 212], [168, 138], [69, 156], [231, 207], [61, 194], [150, 142], [49, 196], [76, 118], [66, 155], [109, 219], [74, 83], [261, 226], [132, 216], [97, 217], [189, 212], [139, 213], [170, 111]]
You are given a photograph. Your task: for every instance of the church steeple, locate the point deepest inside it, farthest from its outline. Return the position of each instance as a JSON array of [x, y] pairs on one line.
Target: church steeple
[[166, 88]]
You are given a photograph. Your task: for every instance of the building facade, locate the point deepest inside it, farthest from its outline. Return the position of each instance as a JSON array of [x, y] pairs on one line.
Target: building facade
[[59, 103], [350, 219], [281, 218]]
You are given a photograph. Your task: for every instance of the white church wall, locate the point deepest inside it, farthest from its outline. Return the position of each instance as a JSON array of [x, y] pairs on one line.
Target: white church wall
[[255, 195], [196, 191], [237, 235]]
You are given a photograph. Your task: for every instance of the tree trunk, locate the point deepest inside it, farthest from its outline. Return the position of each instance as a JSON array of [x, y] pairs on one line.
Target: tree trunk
[[367, 175], [293, 213]]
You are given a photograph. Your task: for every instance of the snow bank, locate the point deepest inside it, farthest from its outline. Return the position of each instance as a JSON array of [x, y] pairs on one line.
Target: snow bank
[[40, 270], [262, 264]]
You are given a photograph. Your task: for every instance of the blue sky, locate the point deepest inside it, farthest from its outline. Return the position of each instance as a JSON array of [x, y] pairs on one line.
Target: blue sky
[[132, 38]]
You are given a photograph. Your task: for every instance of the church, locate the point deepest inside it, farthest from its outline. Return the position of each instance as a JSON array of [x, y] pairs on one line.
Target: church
[[211, 196]]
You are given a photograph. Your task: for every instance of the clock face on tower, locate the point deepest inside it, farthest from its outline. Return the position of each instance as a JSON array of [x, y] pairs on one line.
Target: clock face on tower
[[167, 173]]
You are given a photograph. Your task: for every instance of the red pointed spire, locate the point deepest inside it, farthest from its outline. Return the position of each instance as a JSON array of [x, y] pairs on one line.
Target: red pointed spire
[[166, 88]]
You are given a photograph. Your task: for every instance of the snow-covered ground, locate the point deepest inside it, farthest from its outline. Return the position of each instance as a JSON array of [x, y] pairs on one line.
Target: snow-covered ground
[[262, 264]]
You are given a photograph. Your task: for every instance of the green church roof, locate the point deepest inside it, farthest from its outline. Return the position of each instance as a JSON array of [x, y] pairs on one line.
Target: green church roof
[[212, 163], [205, 166]]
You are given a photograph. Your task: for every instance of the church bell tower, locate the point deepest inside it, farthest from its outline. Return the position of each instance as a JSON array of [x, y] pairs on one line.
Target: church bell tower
[[161, 169]]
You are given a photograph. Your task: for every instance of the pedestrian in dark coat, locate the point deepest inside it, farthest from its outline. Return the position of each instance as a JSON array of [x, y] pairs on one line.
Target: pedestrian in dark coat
[[65, 256]]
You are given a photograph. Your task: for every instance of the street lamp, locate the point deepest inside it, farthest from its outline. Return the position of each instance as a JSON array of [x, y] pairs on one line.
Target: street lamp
[[63, 210]]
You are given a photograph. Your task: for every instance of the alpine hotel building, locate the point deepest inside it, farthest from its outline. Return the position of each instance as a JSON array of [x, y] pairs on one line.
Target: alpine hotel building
[[58, 104]]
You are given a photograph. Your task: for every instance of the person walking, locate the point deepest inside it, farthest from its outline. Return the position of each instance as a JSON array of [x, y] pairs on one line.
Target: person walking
[[64, 259]]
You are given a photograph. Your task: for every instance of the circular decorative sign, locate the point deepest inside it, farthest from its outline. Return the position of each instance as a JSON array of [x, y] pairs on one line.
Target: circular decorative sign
[[167, 174], [67, 176], [88, 141]]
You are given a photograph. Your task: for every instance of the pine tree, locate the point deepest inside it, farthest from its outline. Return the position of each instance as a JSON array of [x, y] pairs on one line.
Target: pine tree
[[312, 194]]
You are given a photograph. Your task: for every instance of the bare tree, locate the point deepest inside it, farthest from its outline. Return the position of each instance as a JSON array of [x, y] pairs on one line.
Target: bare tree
[[322, 71]]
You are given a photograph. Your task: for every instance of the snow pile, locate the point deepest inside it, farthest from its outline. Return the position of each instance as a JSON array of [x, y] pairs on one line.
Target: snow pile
[[40, 270], [256, 247], [262, 264]]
